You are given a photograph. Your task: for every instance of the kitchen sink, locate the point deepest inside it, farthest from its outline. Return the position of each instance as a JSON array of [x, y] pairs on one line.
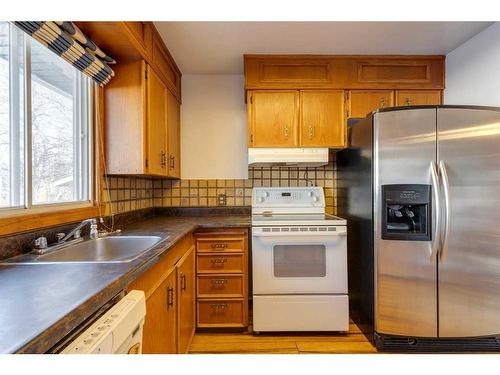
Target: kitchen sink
[[117, 249]]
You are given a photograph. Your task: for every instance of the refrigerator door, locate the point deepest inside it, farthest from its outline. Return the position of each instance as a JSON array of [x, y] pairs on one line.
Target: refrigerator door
[[405, 275], [469, 266]]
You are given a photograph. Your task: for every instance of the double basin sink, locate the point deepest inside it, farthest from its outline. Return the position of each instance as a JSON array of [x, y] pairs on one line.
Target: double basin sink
[[113, 249]]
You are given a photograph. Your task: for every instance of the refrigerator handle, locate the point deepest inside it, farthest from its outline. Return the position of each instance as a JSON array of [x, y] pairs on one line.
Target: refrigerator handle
[[446, 191], [437, 209]]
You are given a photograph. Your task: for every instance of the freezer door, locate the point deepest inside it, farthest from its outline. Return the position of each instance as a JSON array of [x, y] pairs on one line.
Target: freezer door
[[405, 276], [469, 268]]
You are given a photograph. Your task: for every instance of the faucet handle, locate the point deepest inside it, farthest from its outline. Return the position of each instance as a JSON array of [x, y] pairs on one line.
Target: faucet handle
[[60, 236], [41, 243], [77, 234]]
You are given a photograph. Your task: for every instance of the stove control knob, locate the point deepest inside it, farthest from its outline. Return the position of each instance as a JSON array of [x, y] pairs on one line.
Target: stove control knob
[[261, 199], [310, 193], [266, 194], [315, 199]]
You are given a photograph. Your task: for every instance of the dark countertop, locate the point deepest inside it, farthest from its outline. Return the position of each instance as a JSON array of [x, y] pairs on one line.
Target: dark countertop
[[40, 304]]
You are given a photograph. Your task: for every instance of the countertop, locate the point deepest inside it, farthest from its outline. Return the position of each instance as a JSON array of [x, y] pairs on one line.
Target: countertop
[[40, 304]]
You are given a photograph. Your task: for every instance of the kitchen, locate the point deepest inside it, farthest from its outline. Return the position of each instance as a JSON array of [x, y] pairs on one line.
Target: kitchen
[[172, 187]]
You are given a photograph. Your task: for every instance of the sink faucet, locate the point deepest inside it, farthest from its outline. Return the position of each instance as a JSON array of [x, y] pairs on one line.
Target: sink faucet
[[41, 246], [76, 230]]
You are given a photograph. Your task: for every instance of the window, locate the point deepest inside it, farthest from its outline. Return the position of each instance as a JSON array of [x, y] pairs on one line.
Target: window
[[45, 132]]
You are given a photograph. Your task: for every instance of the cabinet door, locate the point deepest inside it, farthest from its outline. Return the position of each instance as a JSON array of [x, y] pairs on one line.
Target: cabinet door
[[274, 118], [418, 97], [362, 102], [173, 135], [156, 120], [186, 307], [160, 334], [322, 120]]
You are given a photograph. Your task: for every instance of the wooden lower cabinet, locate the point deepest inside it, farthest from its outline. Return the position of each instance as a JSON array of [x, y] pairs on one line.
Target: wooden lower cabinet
[[221, 313], [163, 302], [186, 299], [222, 278], [169, 286]]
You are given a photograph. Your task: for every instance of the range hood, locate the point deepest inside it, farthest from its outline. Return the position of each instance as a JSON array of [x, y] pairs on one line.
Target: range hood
[[307, 157]]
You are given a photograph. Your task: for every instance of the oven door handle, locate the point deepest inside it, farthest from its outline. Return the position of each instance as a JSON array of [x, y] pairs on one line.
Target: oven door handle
[[298, 234]]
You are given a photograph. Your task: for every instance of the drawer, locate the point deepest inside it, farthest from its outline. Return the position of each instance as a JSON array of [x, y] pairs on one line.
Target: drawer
[[221, 313], [220, 263], [219, 244], [220, 286]]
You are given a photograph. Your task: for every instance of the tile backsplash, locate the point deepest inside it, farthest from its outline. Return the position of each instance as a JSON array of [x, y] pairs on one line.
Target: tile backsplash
[[132, 193]]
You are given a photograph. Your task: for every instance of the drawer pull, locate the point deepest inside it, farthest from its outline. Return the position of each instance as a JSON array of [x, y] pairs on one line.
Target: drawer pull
[[170, 297], [219, 306], [218, 261], [220, 281], [219, 246]]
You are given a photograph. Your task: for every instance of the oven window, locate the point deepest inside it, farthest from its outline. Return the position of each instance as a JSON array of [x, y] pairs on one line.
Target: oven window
[[299, 260]]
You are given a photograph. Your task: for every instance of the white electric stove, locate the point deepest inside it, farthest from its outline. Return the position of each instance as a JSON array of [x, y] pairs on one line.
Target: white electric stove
[[299, 260]]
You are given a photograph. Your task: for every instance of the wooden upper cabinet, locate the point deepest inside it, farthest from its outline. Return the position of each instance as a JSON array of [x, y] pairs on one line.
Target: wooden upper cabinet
[[322, 118], [273, 118], [283, 72], [126, 119], [142, 33], [362, 102], [157, 124], [186, 300], [343, 72], [173, 136], [418, 97], [165, 67]]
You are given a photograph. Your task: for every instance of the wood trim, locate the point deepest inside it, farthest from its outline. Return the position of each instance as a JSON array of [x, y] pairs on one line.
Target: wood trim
[[24, 223]]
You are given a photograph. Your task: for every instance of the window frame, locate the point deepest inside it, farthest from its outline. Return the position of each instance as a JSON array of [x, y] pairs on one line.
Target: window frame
[[28, 216]]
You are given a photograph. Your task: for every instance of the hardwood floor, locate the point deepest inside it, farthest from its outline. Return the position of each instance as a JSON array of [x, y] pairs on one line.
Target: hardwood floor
[[282, 343]]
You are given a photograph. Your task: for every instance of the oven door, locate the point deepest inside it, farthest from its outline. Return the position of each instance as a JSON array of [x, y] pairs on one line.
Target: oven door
[[299, 260]]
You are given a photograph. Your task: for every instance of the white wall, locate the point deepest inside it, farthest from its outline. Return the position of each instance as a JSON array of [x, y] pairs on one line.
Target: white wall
[[473, 70], [213, 127]]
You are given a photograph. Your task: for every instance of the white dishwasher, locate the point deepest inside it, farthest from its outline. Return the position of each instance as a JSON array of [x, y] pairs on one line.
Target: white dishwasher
[[117, 331]]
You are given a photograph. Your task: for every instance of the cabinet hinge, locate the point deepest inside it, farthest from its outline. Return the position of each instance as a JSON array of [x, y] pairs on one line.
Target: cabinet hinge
[[147, 163], [251, 139], [251, 99], [146, 74]]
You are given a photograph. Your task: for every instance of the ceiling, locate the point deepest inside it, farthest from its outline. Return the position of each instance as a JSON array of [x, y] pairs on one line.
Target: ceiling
[[217, 47]]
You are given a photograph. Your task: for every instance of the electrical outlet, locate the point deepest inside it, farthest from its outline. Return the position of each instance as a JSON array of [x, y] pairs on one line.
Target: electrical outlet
[[239, 192], [221, 200]]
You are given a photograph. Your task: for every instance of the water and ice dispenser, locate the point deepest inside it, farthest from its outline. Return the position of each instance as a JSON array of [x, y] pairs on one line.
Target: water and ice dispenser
[[406, 212]]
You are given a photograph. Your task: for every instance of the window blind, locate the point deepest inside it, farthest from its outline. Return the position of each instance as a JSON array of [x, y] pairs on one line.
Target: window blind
[[67, 40]]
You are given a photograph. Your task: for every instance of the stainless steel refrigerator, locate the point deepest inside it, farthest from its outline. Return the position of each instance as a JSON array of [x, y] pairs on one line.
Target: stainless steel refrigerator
[[420, 188]]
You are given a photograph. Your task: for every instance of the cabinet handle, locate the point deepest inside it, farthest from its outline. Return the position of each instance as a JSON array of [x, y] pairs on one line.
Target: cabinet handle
[[183, 281], [170, 297], [382, 103], [218, 261], [163, 160], [286, 132], [310, 133], [220, 281], [172, 161], [407, 101], [219, 246], [219, 306]]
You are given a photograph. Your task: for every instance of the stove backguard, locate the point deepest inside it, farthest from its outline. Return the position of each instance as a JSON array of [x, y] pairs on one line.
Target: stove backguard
[[406, 212]]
